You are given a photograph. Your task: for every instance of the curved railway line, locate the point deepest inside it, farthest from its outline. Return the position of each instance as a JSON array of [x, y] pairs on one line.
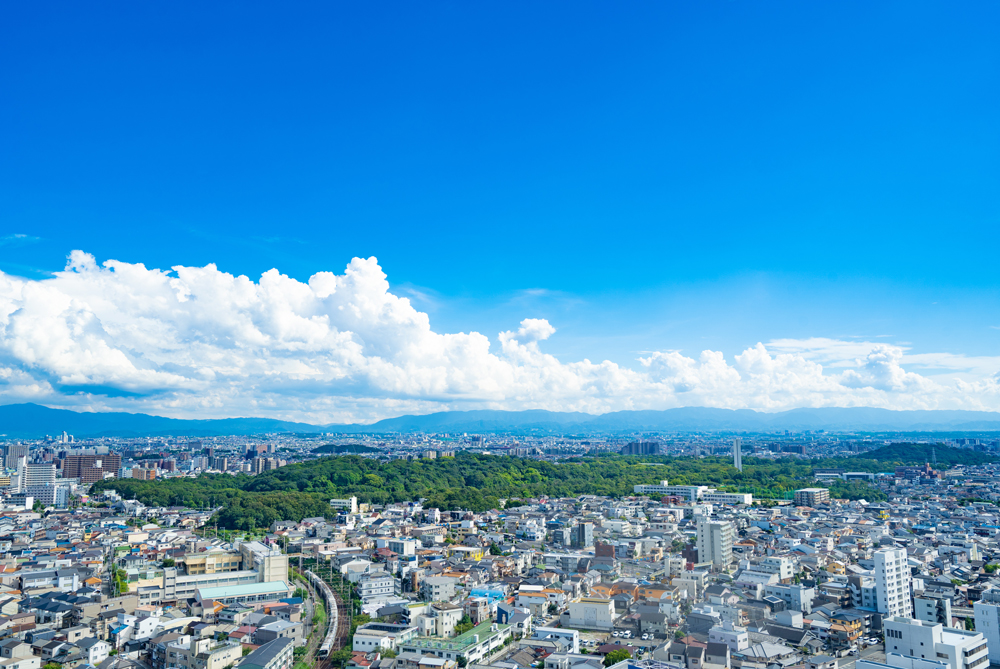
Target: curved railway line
[[338, 621]]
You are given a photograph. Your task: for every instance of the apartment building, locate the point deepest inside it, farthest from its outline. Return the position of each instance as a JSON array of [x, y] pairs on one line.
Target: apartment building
[[812, 496], [438, 588], [715, 542], [987, 612], [590, 613], [203, 653], [277, 654], [958, 649], [893, 582], [376, 585]]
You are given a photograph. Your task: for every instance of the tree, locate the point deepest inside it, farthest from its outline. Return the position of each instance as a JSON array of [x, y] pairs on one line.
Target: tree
[[678, 635], [462, 661], [616, 656], [169, 562], [340, 657], [553, 609], [52, 665], [495, 550], [464, 625]]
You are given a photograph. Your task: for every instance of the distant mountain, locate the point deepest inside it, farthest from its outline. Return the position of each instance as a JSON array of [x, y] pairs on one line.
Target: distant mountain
[[32, 420], [687, 419], [28, 421]]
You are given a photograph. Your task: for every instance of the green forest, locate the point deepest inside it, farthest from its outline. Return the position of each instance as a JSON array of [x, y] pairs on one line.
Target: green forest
[[478, 482]]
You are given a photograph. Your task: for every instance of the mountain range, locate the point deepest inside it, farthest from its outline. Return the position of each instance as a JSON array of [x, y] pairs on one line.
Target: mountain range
[[33, 420]]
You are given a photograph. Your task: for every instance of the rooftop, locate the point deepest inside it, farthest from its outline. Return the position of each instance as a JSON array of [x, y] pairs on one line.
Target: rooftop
[[461, 642], [244, 589]]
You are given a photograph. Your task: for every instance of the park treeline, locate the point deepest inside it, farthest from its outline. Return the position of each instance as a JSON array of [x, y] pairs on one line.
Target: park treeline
[[478, 482]]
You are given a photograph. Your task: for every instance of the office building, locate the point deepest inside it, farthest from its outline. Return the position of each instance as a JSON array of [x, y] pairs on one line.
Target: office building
[[893, 582], [812, 496], [737, 455]]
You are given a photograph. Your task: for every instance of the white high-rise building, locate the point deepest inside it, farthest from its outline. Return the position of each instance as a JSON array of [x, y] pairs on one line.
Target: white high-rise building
[[715, 541], [737, 455], [893, 584], [988, 622]]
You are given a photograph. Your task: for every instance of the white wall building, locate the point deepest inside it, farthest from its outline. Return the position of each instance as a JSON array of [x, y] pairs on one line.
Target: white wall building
[[988, 623], [715, 542], [737, 638], [958, 649], [893, 583], [590, 613]]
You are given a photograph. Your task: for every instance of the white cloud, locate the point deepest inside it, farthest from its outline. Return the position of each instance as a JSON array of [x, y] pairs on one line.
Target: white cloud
[[196, 341], [18, 239]]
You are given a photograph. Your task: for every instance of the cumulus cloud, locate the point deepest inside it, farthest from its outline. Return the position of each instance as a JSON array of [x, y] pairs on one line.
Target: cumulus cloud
[[197, 341]]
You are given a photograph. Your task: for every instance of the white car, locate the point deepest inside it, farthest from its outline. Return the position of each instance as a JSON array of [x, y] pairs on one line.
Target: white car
[[645, 637], [615, 633]]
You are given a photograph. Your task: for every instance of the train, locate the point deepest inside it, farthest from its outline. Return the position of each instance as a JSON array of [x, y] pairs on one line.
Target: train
[[333, 609]]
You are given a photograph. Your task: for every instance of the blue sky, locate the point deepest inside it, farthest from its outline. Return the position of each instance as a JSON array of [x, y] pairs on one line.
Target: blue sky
[[647, 178]]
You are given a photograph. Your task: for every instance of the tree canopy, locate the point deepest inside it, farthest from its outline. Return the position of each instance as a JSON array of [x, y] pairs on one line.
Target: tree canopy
[[471, 481]]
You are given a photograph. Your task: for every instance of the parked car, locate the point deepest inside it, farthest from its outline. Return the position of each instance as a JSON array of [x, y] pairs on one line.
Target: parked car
[[645, 637], [616, 633]]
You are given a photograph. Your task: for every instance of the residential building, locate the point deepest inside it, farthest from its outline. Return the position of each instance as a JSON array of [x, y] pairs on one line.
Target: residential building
[[203, 654], [812, 496], [470, 648], [590, 613], [987, 611], [893, 583], [933, 609], [958, 649], [277, 654], [349, 505], [715, 542], [376, 585]]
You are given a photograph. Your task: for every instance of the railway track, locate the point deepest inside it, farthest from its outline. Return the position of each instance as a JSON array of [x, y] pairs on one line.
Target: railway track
[[338, 623]]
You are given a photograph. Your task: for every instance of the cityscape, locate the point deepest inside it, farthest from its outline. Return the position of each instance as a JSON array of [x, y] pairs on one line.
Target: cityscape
[[563, 335], [849, 566]]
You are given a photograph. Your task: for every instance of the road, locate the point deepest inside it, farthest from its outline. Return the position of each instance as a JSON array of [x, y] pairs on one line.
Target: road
[[875, 653]]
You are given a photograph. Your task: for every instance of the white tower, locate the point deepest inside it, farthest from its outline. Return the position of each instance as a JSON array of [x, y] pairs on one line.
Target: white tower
[[737, 455]]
